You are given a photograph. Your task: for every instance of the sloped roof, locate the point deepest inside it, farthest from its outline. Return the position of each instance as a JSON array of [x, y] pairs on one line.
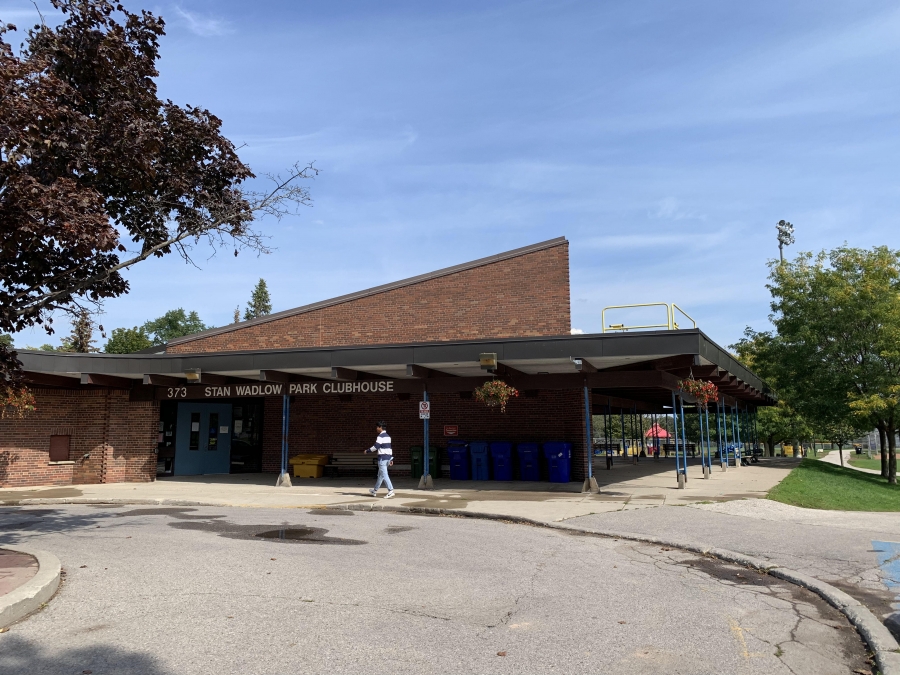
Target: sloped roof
[[514, 253]]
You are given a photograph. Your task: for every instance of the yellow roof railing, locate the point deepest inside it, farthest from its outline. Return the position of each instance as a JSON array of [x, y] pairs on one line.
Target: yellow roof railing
[[670, 324]]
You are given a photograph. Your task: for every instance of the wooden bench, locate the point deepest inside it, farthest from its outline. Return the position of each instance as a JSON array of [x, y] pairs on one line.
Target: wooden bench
[[351, 462]]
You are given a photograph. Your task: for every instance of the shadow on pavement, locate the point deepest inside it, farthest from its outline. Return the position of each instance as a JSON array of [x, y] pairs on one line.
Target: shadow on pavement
[[18, 524], [21, 655]]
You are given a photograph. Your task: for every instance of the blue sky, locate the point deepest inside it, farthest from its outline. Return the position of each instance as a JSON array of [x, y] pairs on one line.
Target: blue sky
[[664, 140]]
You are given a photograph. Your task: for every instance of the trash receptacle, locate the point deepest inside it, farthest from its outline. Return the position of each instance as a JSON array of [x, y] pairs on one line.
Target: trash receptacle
[[417, 461], [501, 460], [558, 456], [478, 450], [529, 461], [458, 451]]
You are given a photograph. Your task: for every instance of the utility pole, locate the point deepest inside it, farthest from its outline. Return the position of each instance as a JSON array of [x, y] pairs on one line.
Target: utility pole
[[785, 236]]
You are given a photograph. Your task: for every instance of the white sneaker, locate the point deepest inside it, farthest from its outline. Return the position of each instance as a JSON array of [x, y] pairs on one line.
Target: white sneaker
[[389, 494], [373, 492]]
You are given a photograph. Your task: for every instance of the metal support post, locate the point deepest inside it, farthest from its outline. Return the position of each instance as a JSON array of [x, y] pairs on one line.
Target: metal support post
[[634, 455], [708, 448], [683, 436], [622, 422], [426, 482], [590, 483], [284, 478], [721, 441], [678, 474]]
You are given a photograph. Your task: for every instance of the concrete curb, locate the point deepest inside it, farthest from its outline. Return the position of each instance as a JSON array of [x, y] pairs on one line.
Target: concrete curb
[[875, 634], [35, 592]]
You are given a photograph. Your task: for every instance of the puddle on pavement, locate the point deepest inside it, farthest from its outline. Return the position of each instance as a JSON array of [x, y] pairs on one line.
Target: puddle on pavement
[[289, 533], [397, 529], [330, 512], [13, 496], [880, 602], [180, 513], [295, 534]]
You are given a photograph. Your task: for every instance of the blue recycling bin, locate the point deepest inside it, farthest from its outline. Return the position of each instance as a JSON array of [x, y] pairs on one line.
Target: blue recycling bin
[[478, 451], [559, 456], [458, 451], [529, 461], [501, 460]]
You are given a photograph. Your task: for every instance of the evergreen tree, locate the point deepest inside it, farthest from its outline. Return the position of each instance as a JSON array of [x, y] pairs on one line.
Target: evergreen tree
[[81, 340], [260, 303], [237, 314], [127, 341]]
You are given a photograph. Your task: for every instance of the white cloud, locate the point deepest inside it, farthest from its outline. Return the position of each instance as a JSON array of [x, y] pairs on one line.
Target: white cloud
[[670, 209], [204, 26], [577, 331]]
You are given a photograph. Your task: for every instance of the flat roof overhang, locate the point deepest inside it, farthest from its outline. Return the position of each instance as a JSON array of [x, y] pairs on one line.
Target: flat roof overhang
[[630, 367]]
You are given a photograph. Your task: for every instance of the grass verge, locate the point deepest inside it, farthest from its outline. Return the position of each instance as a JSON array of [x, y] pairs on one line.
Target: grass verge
[[864, 462], [819, 485]]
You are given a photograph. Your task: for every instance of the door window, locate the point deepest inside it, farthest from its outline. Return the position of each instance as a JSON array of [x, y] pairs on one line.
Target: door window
[[194, 442], [213, 432]]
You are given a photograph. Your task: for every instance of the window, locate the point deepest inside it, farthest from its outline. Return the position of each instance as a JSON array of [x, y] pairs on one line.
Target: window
[[59, 448], [194, 442], [213, 443]]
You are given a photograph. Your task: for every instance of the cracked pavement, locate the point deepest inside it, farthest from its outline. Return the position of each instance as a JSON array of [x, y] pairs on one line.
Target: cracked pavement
[[833, 546], [159, 591]]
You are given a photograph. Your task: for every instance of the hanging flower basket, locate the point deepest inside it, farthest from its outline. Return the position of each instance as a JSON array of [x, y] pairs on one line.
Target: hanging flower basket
[[495, 393], [16, 402], [705, 392]]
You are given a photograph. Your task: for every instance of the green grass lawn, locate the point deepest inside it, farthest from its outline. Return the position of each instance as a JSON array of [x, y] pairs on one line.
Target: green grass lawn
[[864, 462], [819, 485]]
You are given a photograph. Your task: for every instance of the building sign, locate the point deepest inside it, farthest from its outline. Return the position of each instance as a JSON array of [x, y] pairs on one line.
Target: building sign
[[424, 410], [194, 392], [451, 430]]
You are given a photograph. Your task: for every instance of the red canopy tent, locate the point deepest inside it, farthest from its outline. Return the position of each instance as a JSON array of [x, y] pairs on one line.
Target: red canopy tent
[[656, 431]]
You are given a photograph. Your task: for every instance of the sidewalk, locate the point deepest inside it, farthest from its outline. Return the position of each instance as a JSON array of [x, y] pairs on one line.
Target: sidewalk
[[15, 570], [626, 487], [833, 457]]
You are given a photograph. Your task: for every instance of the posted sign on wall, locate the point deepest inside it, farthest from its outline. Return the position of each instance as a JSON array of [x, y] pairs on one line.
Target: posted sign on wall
[[424, 410]]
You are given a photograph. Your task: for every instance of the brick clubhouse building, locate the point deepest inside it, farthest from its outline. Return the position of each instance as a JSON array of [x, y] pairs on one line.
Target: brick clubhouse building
[[243, 397]]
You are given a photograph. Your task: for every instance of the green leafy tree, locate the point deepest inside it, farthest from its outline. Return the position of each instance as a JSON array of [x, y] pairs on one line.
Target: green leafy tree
[[260, 303], [127, 341], [6, 340], [781, 424], [173, 324], [835, 351]]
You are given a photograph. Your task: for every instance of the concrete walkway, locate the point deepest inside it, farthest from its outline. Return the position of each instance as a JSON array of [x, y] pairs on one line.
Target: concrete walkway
[[626, 487], [834, 458], [15, 570]]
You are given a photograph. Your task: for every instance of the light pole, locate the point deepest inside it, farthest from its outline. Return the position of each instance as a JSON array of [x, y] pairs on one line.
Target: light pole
[[785, 236]]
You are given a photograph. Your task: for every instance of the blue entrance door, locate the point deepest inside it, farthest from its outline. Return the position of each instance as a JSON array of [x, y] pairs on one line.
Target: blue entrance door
[[203, 439]]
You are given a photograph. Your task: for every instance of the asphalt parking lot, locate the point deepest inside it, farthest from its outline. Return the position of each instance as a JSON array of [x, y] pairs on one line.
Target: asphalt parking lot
[[176, 590]]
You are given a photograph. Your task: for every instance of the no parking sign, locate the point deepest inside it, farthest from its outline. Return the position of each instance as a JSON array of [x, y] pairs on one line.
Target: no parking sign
[[424, 410]]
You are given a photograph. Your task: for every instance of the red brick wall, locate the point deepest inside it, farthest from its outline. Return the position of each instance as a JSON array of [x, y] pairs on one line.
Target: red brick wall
[[327, 425], [119, 435], [518, 297]]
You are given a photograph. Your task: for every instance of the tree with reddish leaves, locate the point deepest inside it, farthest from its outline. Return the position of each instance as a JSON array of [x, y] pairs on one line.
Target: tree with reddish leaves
[[98, 174]]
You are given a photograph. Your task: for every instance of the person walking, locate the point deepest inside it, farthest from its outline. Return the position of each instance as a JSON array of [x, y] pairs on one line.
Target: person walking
[[385, 459]]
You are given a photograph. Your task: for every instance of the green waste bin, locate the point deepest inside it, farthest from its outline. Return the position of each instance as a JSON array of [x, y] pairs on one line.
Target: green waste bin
[[417, 461]]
